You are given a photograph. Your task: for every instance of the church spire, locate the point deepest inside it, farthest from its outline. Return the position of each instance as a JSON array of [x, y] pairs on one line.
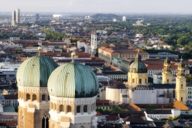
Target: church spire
[[180, 68], [181, 89], [73, 56], [167, 77], [39, 50]]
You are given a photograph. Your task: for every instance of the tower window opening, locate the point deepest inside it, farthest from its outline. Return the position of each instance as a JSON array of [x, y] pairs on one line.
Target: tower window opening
[[133, 80], [48, 98], [68, 108], [167, 80], [54, 106], [78, 109], [140, 81], [28, 97], [51, 105], [43, 97], [181, 86], [85, 108], [34, 97], [61, 108]]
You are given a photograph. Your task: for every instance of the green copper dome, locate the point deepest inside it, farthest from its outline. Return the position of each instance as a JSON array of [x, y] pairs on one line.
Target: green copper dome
[[35, 71], [73, 80], [137, 66]]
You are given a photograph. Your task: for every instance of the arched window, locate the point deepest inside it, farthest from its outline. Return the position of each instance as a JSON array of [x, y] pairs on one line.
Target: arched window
[[45, 121], [54, 106], [167, 80], [93, 107], [133, 80], [34, 97], [85, 108], [181, 86], [140, 81], [68, 108], [51, 105], [48, 98], [43, 97], [28, 97], [78, 109], [61, 108]]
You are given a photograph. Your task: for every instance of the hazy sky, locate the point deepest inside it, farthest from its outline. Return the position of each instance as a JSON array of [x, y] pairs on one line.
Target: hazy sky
[[118, 6]]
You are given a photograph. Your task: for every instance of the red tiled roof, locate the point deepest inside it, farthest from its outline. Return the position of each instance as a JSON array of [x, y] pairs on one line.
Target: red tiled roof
[[102, 102], [112, 118]]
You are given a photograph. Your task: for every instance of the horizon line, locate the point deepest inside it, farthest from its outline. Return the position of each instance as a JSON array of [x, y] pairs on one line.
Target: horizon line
[[128, 13]]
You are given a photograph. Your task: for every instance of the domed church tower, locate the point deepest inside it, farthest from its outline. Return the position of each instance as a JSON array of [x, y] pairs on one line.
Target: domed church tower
[[73, 90], [32, 77], [167, 77], [181, 89], [137, 74]]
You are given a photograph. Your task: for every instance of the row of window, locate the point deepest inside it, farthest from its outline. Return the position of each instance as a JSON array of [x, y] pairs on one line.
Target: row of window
[[68, 108], [34, 97], [79, 108], [140, 81]]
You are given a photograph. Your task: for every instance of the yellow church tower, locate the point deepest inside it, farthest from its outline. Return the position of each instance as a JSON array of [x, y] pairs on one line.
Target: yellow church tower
[[33, 97], [137, 74], [181, 89], [167, 77]]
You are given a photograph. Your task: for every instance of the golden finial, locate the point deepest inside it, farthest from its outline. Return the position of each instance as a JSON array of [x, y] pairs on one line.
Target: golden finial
[[73, 56], [39, 50], [138, 51], [138, 57]]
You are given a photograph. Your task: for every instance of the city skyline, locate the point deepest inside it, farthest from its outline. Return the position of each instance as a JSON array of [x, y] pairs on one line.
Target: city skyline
[[107, 6]]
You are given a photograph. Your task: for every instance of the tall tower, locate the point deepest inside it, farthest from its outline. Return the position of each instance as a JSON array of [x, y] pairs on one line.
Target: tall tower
[[33, 97], [37, 18], [18, 16], [73, 90], [137, 74], [167, 77], [13, 18], [94, 43], [181, 89], [124, 19]]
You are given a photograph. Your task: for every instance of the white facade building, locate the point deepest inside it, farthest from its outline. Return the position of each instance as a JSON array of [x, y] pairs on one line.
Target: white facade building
[[162, 114], [143, 96], [189, 95], [157, 78], [117, 94], [83, 45]]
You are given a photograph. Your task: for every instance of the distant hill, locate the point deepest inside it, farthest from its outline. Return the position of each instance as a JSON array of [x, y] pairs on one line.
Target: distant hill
[[100, 16]]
